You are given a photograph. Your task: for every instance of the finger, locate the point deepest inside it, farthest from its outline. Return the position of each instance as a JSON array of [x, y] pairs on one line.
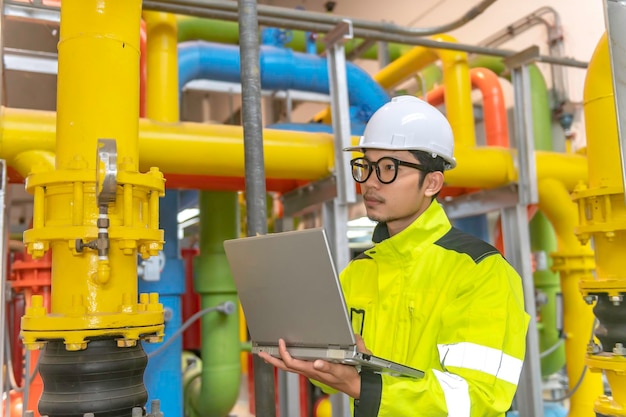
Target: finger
[[322, 366], [272, 360], [360, 345]]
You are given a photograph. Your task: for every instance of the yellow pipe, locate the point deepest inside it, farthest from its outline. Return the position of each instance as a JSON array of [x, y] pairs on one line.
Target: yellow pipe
[[456, 79], [602, 213], [33, 161], [97, 98], [162, 63], [217, 150], [573, 261]]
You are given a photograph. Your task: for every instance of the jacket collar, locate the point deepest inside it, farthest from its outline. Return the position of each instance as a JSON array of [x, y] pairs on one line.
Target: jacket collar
[[431, 225]]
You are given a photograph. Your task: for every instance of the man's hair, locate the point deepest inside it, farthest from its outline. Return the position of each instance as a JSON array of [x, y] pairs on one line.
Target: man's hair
[[431, 164]]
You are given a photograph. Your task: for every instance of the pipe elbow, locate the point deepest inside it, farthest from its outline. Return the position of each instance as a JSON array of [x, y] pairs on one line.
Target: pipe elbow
[[34, 161]]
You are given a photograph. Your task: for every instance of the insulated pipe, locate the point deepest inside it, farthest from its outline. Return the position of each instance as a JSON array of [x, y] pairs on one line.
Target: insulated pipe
[[163, 377], [601, 212], [494, 109], [280, 69], [222, 31], [456, 79], [197, 150], [574, 262]]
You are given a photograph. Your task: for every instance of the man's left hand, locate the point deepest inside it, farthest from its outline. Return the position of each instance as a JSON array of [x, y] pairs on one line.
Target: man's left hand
[[344, 378]]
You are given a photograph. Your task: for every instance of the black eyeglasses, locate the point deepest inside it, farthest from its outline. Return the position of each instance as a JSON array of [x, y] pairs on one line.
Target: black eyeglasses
[[386, 169]]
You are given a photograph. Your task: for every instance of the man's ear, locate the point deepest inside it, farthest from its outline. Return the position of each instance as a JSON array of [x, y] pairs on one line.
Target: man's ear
[[433, 183]]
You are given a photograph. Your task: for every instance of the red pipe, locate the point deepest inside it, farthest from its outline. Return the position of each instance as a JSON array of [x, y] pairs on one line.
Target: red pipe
[[33, 277], [494, 109], [190, 303]]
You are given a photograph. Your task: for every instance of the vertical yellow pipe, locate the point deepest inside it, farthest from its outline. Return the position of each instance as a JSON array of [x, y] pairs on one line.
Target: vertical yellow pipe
[[97, 98], [162, 86], [456, 79], [573, 261], [602, 214], [98, 81]]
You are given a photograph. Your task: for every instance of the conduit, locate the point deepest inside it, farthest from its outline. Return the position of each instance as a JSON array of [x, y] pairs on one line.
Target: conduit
[[280, 69]]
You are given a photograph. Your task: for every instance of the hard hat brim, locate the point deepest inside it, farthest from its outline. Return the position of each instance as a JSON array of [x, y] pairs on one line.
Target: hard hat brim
[[451, 162]]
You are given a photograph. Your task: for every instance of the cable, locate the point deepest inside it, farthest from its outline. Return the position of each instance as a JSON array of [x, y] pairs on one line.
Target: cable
[[551, 348], [580, 379], [227, 307], [570, 392]]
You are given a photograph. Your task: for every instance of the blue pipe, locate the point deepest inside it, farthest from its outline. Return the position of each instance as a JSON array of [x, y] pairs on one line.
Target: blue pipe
[[163, 376], [281, 69]]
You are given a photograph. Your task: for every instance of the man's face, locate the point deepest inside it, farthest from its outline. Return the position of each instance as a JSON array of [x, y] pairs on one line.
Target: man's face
[[400, 202]]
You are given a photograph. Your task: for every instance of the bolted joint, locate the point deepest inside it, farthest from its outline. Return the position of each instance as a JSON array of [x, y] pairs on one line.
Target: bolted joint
[[126, 342], [590, 299], [616, 299], [619, 349]]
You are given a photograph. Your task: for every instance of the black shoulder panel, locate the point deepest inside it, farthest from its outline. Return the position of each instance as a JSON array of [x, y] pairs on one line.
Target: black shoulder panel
[[361, 255], [462, 242]]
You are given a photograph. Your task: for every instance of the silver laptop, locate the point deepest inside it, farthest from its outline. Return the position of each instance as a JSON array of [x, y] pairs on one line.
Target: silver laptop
[[289, 289]]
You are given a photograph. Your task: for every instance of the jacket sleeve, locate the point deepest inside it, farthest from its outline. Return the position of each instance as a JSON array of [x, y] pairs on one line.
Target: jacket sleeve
[[481, 346]]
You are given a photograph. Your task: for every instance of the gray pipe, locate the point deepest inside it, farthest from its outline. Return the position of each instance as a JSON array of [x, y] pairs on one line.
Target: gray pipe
[[333, 20], [555, 44], [256, 209], [381, 35]]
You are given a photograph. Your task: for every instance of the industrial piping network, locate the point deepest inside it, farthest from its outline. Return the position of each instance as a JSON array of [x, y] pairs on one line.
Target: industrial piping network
[[32, 157]]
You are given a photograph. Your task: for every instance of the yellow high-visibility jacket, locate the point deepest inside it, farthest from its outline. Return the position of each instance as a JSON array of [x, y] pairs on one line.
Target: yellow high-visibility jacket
[[437, 299]]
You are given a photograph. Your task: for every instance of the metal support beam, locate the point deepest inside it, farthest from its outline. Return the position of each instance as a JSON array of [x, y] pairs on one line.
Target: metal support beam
[[340, 105], [525, 139], [335, 212], [615, 20], [516, 235]]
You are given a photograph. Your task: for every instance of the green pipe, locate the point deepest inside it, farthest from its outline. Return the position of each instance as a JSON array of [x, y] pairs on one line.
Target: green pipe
[[214, 392], [194, 28], [542, 236]]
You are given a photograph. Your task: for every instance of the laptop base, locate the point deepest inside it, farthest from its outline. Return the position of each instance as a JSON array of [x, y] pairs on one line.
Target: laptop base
[[346, 357]]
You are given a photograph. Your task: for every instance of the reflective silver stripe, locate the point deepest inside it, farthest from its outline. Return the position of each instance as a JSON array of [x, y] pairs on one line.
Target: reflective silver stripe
[[456, 392], [481, 358]]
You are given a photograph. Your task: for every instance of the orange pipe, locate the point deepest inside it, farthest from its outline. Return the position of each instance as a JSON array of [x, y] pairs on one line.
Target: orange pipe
[[494, 109]]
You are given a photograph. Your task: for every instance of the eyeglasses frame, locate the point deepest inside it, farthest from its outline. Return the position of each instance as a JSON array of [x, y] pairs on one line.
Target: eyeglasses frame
[[396, 162]]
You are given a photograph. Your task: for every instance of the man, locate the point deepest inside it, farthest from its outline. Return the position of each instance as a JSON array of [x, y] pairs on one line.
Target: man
[[426, 295]]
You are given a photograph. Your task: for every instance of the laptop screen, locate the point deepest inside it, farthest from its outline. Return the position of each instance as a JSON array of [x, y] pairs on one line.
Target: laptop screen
[[288, 288]]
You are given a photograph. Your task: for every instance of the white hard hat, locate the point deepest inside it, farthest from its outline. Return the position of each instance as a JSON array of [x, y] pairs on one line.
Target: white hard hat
[[408, 123]]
